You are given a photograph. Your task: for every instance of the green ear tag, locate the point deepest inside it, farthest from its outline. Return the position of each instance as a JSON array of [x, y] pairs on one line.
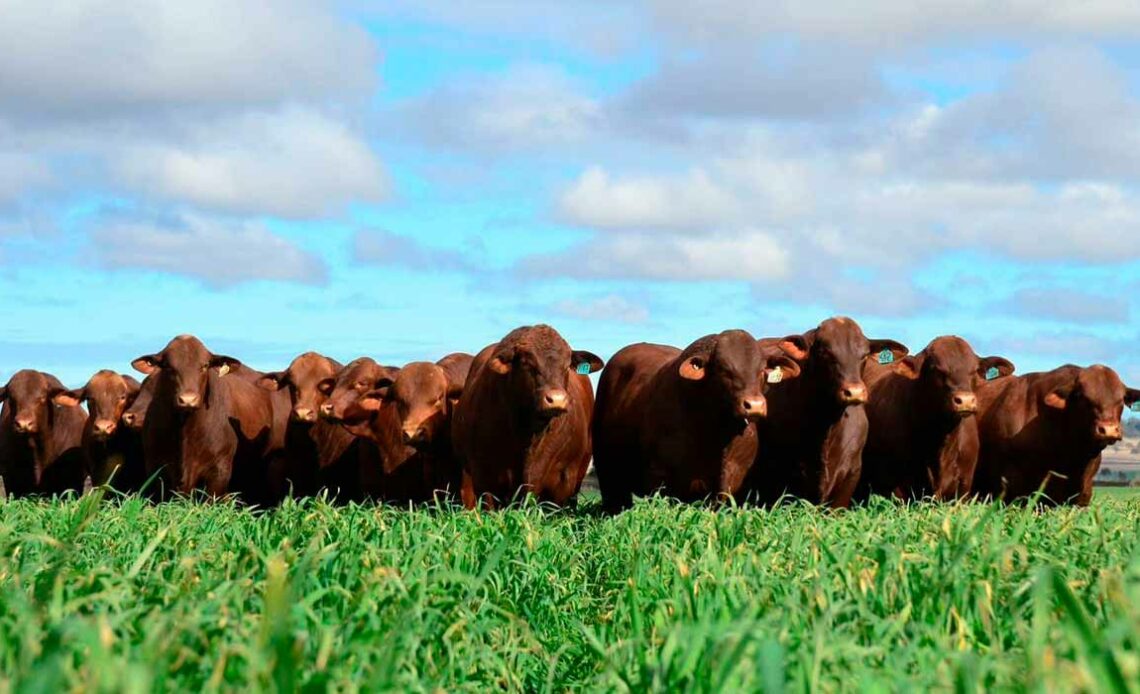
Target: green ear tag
[[1136, 406], [992, 373], [584, 368], [886, 357], [776, 375]]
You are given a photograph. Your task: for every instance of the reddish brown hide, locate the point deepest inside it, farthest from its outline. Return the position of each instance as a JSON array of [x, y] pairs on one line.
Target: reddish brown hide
[[924, 434], [40, 441], [407, 419], [682, 422], [319, 454], [113, 452], [1047, 431], [814, 436], [209, 429], [523, 423]]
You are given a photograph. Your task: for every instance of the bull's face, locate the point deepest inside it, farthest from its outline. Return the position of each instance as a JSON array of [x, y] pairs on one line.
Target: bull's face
[[538, 364], [135, 414], [28, 396], [948, 370], [1094, 402], [184, 370], [734, 370], [420, 396], [344, 391], [309, 379], [835, 353], [108, 395]]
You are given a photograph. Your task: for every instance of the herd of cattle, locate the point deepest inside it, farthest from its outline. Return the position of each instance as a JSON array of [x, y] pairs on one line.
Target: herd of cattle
[[829, 416]]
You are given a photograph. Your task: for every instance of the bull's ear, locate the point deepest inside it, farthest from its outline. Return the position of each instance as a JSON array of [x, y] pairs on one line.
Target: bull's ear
[[1131, 397], [3, 392], [69, 398], [780, 368], [500, 363], [274, 380], [986, 366], [897, 349], [908, 367], [580, 358], [146, 364], [693, 368], [373, 400], [223, 364], [1059, 399], [795, 346]]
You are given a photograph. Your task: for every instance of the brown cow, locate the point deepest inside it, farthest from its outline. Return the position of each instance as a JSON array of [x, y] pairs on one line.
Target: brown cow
[[363, 479], [206, 429], [40, 450], [408, 420], [319, 454], [113, 453], [1047, 431], [815, 432], [523, 423], [135, 416], [682, 422], [924, 437]]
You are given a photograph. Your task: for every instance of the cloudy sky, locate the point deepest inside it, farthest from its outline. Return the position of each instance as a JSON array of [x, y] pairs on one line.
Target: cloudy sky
[[405, 179]]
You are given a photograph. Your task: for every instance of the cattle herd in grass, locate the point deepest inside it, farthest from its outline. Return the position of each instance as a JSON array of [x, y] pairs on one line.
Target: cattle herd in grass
[[829, 416]]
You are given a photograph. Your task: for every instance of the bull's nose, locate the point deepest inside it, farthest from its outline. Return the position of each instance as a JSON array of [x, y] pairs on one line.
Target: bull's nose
[[188, 401], [414, 435], [304, 414], [327, 410], [25, 426], [965, 403], [555, 400], [853, 394], [130, 418], [1108, 431], [753, 407], [103, 427]]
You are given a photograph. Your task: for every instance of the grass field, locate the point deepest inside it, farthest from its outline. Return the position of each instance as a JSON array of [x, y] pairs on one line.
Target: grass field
[[132, 597]]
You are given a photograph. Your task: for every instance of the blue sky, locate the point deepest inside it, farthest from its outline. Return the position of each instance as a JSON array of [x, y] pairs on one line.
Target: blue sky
[[407, 179]]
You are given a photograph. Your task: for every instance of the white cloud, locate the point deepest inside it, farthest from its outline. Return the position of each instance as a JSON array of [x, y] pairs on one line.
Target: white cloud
[[525, 106], [646, 202], [383, 248], [20, 173], [87, 58], [217, 252], [605, 308], [891, 23], [748, 255], [290, 163]]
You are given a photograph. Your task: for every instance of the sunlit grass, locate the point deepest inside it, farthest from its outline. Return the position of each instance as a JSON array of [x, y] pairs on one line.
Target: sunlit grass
[[126, 596]]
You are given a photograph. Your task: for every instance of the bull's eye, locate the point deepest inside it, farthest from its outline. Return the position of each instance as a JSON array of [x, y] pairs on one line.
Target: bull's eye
[[122, 398]]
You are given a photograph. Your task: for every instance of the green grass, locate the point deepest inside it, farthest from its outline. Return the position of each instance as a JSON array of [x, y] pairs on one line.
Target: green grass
[[126, 596]]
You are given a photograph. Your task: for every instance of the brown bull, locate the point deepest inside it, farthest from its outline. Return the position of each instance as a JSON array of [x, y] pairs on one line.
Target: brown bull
[[682, 422], [924, 434], [523, 423], [814, 436], [40, 441], [1047, 431]]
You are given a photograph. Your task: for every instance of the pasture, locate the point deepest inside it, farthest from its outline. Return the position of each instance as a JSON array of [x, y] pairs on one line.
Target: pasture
[[129, 596]]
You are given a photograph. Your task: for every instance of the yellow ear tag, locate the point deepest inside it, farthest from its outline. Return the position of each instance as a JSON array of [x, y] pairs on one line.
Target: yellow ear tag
[[776, 375], [223, 370]]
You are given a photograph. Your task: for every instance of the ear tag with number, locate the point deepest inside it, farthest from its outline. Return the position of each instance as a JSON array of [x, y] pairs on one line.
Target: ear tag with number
[[992, 373], [886, 357], [776, 375], [584, 368]]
